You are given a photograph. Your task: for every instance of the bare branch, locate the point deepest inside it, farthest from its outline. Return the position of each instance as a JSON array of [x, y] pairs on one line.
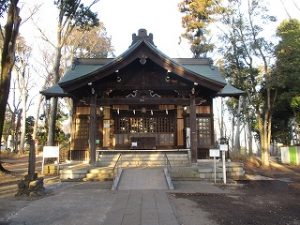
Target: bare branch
[[30, 103], [35, 9], [44, 36]]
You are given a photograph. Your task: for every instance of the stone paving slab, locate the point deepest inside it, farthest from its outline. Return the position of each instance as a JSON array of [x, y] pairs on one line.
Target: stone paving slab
[[141, 208], [93, 203], [77, 204], [143, 179]]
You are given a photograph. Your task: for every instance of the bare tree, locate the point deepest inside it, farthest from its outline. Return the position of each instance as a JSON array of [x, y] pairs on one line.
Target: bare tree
[[24, 84], [14, 109], [44, 71], [9, 36]]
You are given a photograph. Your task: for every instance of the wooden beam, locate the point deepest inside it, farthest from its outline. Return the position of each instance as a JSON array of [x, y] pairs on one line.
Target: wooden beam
[[92, 129], [194, 141], [148, 101]]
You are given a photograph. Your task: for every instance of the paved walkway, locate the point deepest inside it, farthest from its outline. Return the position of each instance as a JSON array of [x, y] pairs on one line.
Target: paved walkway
[[93, 203], [141, 208], [143, 179]]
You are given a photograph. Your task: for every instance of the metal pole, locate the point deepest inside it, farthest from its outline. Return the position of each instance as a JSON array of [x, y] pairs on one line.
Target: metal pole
[[224, 167], [215, 170]]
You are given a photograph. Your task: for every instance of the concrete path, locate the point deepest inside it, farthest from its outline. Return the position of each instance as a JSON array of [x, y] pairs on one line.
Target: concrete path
[[141, 208], [143, 179], [93, 203]]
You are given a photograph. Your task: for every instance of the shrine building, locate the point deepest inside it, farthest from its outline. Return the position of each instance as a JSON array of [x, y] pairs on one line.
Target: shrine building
[[142, 100]]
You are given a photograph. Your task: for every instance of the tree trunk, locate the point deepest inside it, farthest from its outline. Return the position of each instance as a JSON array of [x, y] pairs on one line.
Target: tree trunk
[[237, 143], [37, 116], [222, 121], [8, 56], [250, 137], [7, 59], [52, 122], [53, 105], [23, 122], [264, 144], [232, 131]]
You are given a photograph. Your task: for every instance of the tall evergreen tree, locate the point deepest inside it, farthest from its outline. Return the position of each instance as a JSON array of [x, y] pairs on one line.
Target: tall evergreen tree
[[72, 14], [287, 68], [198, 15]]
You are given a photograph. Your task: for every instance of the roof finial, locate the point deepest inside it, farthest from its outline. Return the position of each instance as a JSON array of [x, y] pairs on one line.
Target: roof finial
[[142, 35]]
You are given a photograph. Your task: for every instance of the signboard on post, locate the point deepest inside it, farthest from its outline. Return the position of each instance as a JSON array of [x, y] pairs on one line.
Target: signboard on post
[[50, 152], [224, 147], [214, 153]]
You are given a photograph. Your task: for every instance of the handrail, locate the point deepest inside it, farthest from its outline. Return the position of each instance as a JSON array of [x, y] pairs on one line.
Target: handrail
[[117, 162], [167, 162]]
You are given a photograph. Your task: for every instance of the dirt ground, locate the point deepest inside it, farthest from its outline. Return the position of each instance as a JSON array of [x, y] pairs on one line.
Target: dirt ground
[[274, 201]]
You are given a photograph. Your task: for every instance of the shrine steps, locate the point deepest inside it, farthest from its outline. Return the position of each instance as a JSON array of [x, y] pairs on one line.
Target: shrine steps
[[143, 159]]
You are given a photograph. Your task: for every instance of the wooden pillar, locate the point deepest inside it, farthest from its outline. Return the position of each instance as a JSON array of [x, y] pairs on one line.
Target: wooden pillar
[[73, 129], [194, 142], [92, 129], [180, 126]]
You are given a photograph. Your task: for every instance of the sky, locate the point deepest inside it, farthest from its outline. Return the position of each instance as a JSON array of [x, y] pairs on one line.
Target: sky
[[122, 18], [160, 17]]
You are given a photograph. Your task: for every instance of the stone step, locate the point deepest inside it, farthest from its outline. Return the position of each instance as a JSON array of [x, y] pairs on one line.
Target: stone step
[[100, 174], [144, 163], [101, 170], [72, 174], [143, 159], [139, 155], [196, 173]]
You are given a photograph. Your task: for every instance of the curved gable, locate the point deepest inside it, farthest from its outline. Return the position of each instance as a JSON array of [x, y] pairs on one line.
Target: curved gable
[[142, 48]]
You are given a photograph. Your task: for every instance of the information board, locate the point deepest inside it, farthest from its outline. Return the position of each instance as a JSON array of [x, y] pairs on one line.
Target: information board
[[50, 152], [214, 153], [223, 147]]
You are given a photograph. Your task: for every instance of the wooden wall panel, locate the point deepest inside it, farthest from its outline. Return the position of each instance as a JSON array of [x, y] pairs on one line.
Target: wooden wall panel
[[83, 110], [106, 127], [180, 127], [203, 109], [164, 107]]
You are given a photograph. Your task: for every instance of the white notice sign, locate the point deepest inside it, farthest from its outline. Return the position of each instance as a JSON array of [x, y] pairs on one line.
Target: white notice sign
[[134, 144], [224, 147], [214, 153], [51, 152]]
